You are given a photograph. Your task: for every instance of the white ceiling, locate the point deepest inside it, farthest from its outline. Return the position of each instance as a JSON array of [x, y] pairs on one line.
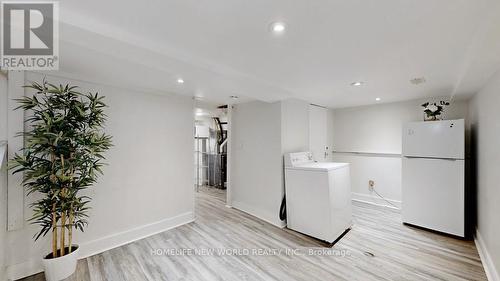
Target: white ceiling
[[224, 47]]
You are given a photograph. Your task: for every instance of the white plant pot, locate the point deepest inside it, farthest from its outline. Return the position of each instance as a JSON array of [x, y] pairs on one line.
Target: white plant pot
[[62, 267]]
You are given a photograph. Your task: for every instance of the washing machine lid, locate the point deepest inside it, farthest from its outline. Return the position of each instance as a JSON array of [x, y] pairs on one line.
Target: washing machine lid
[[318, 166]]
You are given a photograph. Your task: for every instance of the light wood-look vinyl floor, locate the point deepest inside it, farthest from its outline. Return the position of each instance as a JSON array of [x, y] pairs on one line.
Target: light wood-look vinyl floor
[[378, 247]]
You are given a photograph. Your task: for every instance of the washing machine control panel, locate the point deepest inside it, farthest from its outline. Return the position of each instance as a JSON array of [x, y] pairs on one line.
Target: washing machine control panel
[[298, 158]]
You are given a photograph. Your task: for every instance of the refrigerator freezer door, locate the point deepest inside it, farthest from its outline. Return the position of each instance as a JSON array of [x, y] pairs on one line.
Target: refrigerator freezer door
[[433, 194], [437, 139]]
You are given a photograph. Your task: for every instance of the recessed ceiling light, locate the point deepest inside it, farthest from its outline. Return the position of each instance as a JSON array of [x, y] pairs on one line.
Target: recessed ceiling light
[[180, 81], [200, 112], [358, 83], [234, 97], [278, 27], [378, 99]]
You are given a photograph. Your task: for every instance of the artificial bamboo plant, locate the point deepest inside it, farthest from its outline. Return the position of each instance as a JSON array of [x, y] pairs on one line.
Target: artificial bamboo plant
[[63, 154]]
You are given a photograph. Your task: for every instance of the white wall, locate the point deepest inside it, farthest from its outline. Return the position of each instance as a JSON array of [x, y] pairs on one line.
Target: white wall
[[377, 128], [147, 186], [485, 128], [318, 133], [3, 219], [261, 134], [256, 159], [330, 132], [3, 106], [294, 125], [385, 170], [3, 175], [376, 132]]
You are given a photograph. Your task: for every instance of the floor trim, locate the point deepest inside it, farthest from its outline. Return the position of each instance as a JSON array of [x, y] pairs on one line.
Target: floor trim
[[118, 239], [375, 200], [489, 266], [258, 213], [21, 270], [90, 248]]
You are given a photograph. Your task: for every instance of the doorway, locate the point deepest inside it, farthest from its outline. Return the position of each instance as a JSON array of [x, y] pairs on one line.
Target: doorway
[[210, 147]]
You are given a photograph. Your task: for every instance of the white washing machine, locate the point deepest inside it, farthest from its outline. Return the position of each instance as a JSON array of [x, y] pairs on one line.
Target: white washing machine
[[318, 196]]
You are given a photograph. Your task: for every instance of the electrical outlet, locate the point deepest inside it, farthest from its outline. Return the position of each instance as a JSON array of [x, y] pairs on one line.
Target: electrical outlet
[[371, 185]]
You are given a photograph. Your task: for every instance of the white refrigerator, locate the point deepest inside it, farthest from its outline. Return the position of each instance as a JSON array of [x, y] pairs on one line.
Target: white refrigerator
[[433, 187]]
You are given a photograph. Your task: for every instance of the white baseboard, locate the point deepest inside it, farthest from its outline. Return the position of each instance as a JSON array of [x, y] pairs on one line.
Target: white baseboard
[[103, 244], [489, 266], [90, 248], [375, 200], [256, 212], [25, 269]]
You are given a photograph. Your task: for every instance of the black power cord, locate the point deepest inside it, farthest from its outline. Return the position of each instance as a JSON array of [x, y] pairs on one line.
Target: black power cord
[[283, 209]]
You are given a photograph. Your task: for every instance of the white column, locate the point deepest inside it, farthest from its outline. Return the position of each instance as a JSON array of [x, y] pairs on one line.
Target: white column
[[229, 200]]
